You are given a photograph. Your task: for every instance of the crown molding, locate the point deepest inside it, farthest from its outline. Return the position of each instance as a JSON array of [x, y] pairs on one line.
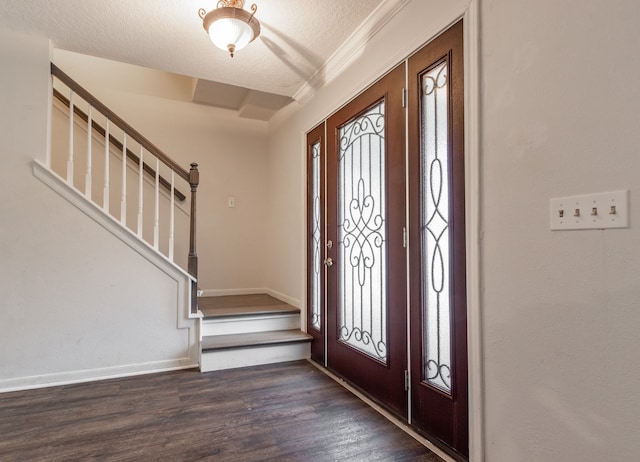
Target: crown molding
[[344, 55]]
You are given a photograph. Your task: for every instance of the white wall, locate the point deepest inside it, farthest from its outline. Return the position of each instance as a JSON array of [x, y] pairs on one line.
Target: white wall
[[559, 312], [231, 153], [77, 303], [560, 117]]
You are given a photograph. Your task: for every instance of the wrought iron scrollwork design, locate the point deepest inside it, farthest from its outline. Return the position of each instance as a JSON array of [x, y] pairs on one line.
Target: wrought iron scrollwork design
[[435, 183], [362, 232], [315, 233], [366, 338], [439, 371], [435, 82], [368, 124]]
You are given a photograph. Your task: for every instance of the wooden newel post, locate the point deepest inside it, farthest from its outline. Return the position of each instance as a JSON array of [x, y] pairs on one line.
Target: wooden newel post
[[194, 180]]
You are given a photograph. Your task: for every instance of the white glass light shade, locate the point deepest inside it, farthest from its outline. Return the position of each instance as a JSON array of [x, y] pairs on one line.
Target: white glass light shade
[[230, 31], [231, 28]]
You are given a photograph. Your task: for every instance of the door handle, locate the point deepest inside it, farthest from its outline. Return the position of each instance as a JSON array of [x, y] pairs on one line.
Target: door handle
[[328, 261]]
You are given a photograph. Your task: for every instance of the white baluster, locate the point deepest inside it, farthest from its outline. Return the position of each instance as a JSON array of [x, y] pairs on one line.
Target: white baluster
[[87, 181], [140, 193], [156, 216], [105, 196], [172, 216], [70, 158], [123, 197], [47, 159]]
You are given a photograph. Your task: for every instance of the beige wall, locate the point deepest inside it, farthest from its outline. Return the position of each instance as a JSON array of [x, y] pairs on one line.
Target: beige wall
[[230, 151], [559, 117], [77, 303]]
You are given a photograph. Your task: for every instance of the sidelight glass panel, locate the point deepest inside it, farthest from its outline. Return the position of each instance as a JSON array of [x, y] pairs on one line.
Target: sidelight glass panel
[[316, 311], [435, 229], [362, 311]]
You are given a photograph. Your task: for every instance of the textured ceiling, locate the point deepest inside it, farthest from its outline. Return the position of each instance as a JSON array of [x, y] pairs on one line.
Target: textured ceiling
[[298, 36]]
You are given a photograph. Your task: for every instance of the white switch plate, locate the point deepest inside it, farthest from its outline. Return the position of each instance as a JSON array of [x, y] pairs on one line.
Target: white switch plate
[[590, 211], [231, 202]]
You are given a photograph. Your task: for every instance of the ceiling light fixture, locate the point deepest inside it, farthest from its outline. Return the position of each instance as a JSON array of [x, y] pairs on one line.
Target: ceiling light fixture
[[230, 26]]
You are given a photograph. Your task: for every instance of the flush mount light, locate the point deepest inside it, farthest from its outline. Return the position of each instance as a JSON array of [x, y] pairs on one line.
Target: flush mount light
[[230, 26]]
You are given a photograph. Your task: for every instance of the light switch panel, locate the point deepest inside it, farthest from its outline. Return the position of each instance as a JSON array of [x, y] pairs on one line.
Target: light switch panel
[[590, 211]]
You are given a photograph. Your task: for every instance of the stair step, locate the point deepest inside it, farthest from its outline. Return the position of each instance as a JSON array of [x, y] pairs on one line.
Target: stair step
[[248, 330], [220, 352], [228, 325], [247, 311], [237, 341], [243, 305]]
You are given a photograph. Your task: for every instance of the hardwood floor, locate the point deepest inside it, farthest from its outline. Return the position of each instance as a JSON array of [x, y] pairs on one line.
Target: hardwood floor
[[281, 412]]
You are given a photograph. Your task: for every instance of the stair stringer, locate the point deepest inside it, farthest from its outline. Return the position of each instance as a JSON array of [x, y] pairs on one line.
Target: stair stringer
[[184, 319]]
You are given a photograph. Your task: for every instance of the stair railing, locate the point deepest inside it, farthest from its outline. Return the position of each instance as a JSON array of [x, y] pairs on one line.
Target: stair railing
[[146, 171]]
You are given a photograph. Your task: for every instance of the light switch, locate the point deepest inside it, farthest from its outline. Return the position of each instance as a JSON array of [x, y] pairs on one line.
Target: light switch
[[231, 202], [590, 211]]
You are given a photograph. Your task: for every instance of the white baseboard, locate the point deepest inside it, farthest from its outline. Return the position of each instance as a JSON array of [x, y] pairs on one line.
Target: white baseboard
[[285, 298], [222, 292], [252, 291], [92, 375]]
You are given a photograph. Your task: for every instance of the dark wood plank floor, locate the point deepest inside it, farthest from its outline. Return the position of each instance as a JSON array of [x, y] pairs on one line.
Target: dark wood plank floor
[[283, 412]]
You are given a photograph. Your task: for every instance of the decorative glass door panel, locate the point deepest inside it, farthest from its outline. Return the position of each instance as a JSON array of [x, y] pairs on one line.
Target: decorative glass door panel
[[435, 228], [316, 244], [437, 285], [361, 234], [366, 271], [316, 319]]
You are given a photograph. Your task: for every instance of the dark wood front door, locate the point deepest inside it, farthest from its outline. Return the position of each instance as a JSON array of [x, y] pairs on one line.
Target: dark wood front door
[[437, 241], [366, 265], [359, 247]]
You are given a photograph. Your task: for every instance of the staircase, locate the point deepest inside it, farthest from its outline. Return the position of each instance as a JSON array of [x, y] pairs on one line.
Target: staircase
[[118, 177], [247, 330]]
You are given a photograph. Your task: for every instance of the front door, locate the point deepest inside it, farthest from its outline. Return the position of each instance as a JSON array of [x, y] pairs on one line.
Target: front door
[[359, 247], [366, 302]]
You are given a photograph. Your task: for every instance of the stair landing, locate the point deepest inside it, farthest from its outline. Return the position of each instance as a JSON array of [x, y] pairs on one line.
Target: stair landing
[[238, 305]]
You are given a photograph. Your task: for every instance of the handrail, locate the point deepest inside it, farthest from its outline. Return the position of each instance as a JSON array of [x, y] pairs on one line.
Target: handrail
[[118, 144], [192, 176], [132, 132]]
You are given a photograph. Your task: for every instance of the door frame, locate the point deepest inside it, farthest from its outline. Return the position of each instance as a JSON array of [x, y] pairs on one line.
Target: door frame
[[470, 13]]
